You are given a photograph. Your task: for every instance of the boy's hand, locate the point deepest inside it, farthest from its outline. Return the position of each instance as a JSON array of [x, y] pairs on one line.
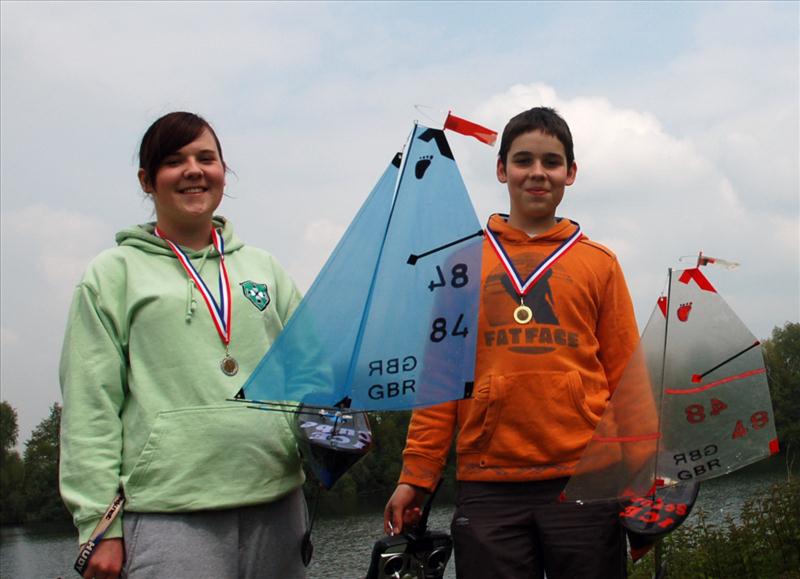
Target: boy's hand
[[403, 508], [106, 561]]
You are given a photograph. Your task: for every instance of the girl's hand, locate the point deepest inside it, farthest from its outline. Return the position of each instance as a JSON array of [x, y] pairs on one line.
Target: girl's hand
[[106, 561]]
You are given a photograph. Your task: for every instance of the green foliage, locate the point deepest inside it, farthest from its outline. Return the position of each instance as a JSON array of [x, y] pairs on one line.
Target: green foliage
[[763, 543], [12, 483], [42, 498], [782, 357], [12, 470], [9, 430]]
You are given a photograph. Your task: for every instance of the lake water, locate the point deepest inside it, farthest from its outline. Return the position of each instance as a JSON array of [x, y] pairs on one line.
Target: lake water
[[343, 544]]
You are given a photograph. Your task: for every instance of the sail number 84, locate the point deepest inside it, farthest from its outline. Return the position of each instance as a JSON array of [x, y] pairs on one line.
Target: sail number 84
[[439, 329], [458, 279]]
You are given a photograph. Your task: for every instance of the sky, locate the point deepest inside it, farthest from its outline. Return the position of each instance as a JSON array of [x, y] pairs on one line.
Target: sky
[[684, 115]]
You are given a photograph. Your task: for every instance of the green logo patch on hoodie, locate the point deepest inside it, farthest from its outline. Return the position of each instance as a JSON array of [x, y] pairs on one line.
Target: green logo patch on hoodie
[[257, 293]]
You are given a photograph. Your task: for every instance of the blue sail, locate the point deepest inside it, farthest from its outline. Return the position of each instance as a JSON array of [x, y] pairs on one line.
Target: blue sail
[[390, 322]]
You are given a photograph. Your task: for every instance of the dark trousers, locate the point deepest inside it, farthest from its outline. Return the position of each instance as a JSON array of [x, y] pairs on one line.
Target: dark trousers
[[520, 530]]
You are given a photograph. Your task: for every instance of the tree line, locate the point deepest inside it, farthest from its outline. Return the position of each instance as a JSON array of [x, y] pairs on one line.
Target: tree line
[[29, 484]]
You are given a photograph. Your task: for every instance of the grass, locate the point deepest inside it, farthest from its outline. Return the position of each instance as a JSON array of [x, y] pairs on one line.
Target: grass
[[764, 542]]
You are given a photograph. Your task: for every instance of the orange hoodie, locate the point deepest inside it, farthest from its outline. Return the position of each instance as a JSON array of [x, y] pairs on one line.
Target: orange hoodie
[[541, 387]]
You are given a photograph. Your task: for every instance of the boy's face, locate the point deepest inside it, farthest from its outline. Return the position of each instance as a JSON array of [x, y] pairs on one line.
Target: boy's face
[[536, 174]]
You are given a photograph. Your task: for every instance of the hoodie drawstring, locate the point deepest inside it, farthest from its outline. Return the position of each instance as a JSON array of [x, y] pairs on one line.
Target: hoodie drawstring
[[191, 303]]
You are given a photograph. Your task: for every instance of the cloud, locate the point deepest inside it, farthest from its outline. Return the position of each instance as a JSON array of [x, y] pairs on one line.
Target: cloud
[[323, 233], [58, 243], [319, 239], [44, 252], [135, 50], [8, 337], [685, 124], [734, 93], [653, 197]]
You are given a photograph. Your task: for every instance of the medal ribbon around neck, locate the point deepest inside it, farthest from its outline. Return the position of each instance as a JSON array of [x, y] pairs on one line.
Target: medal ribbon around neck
[[523, 287], [220, 313]]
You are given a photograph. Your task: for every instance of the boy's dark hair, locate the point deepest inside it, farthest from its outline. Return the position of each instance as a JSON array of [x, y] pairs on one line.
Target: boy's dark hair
[[542, 119], [168, 134]]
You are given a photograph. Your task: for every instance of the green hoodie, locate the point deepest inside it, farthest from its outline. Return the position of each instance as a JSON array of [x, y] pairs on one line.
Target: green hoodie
[[145, 401]]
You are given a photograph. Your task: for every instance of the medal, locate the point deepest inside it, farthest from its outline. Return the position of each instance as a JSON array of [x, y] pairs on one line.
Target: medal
[[229, 365], [220, 312], [522, 313]]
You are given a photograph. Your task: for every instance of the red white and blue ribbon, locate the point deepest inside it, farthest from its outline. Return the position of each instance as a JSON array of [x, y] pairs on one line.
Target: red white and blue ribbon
[[523, 287], [220, 312]]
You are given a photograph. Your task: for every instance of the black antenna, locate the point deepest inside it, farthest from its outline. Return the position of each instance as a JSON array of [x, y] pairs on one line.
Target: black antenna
[[414, 257], [420, 528]]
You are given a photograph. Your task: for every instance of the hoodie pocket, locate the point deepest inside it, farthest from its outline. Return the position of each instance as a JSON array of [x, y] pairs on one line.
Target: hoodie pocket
[[529, 418], [212, 457]]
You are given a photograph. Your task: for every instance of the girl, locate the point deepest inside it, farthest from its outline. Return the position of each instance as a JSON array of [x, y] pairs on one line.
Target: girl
[[162, 330]]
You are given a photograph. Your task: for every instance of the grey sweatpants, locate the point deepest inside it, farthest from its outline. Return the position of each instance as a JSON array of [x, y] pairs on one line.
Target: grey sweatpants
[[262, 541]]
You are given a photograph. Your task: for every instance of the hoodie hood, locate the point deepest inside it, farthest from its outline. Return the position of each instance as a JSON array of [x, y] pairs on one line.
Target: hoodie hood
[[143, 237], [559, 232]]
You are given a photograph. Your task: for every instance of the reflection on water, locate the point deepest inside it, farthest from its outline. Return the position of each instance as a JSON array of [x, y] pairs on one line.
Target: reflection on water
[[38, 552], [342, 548], [342, 545]]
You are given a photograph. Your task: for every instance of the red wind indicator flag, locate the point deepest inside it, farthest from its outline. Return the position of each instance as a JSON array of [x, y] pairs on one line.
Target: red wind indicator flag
[[707, 259], [470, 129]]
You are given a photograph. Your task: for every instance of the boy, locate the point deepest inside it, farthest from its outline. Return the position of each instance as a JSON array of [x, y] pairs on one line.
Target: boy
[[555, 331]]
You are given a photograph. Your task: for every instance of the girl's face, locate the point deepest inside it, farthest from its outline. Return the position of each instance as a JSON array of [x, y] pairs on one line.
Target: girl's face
[[189, 185]]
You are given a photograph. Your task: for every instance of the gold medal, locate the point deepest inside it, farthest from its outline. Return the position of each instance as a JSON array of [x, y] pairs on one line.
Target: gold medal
[[229, 365], [523, 314]]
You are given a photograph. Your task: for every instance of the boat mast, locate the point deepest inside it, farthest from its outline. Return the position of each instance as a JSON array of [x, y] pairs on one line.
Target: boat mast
[[346, 401], [661, 383]]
